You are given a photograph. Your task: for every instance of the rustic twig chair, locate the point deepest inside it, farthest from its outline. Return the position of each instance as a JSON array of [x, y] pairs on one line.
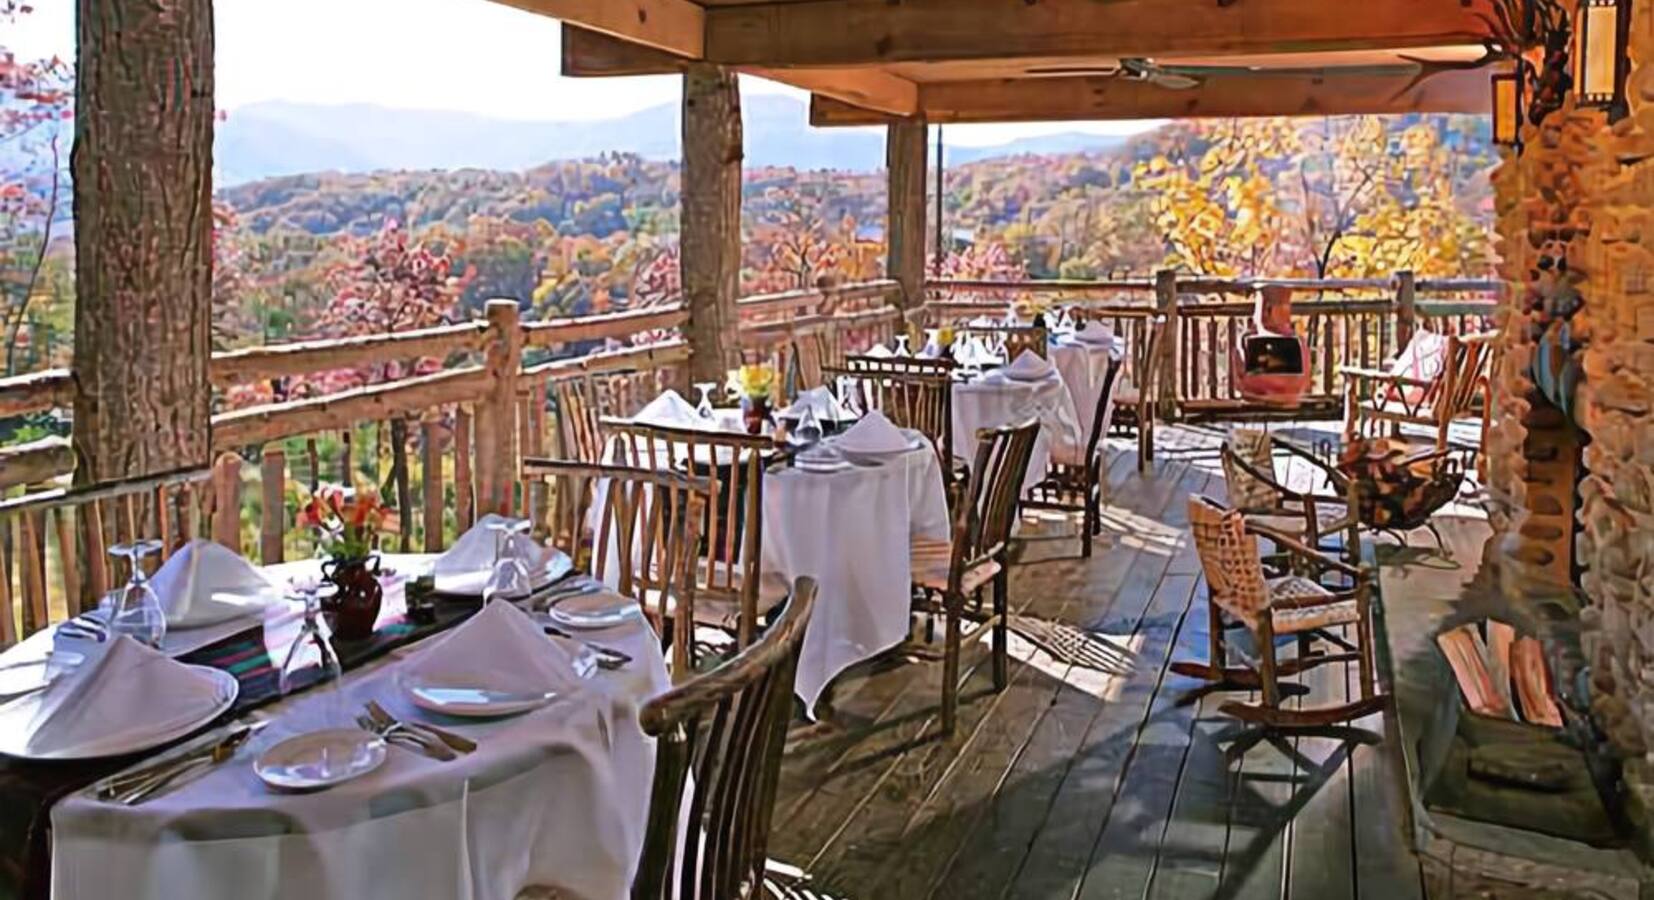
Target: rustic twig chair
[[947, 574], [1376, 398], [1135, 404], [718, 755], [727, 576], [579, 422], [1078, 486], [1255, 489], [649, 527], [1285, 604]]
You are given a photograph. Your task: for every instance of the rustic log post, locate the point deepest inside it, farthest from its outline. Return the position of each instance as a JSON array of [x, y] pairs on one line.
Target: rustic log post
[[710, 240], [430, 440], [31, 550], [68, 563], [403, 482], [496, 430], [226, 514], [142, 164], [93, 555], [464, 497], [1406, 307], [8, 615], [905, 166], [273, 520], [1165, 303]]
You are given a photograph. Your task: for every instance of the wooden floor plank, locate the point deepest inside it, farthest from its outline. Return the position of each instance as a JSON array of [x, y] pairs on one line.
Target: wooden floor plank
[[1321, 863], [1189, 864]]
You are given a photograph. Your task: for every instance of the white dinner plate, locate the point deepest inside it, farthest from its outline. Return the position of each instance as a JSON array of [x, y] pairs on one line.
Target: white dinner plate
[[453, 697], [320, 759], [28, 676], [16, 744], [603, 609]]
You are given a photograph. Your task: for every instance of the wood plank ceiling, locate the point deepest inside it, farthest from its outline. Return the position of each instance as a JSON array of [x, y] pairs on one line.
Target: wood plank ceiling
[[866, 61]]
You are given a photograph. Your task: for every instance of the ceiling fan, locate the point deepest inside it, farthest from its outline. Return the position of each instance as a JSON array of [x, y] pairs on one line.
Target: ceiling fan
[[1177, 78]]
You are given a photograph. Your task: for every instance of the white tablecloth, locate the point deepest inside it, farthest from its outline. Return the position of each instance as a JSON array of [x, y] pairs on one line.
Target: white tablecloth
[[1084, 369], [993, 401], [850, 531], [558, 796]]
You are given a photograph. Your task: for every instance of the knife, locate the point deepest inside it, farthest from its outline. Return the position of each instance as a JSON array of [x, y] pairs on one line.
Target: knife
[[186, 772], [123, 783]]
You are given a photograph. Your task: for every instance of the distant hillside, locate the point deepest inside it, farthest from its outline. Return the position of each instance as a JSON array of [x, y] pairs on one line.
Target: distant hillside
[[267, 140]]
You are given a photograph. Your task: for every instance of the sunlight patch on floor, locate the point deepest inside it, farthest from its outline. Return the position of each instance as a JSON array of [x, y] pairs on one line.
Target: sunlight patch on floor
[[1088, 661]]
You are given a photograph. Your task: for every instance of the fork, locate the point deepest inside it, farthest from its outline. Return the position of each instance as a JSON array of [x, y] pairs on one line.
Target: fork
[[397, 733], [456, 742]]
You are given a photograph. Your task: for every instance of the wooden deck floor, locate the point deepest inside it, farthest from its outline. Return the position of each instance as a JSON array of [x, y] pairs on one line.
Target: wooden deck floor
[[1089, 779]]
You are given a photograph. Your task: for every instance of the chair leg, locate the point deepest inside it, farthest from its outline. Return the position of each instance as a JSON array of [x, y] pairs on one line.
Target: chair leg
[[1088, 526], [1001, 642], [950, 674], [1364, 639], [1265, 635]]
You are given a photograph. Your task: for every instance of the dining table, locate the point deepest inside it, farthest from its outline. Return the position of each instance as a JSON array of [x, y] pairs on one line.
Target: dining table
[[996, 399], [1084, 365], [556, 796]]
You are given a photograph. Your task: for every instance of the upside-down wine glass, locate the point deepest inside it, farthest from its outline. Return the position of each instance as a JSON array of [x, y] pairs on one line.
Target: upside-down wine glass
[[901, 345], [704, 408], [134, 610], [510, 577], [311, 659]]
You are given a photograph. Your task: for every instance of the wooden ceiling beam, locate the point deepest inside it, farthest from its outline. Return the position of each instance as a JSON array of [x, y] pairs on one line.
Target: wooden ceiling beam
[[1232, 96], [675, 26], [593, 54], [871, 32]]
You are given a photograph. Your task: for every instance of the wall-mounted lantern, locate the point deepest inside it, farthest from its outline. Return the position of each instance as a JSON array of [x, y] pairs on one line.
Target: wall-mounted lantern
[[1508, 88], [1601, 61]]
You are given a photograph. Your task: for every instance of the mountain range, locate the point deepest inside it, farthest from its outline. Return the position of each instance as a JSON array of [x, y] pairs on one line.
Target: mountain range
[[271, 139]]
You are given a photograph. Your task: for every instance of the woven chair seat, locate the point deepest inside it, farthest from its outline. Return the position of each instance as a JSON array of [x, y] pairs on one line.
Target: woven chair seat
[[1307, 618], [933, 561]]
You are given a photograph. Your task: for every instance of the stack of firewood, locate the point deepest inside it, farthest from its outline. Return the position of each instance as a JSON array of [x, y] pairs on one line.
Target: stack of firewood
[[1501, 674]]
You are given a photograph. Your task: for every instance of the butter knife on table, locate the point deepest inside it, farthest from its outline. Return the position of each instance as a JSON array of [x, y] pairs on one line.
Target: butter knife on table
[[204, 750]]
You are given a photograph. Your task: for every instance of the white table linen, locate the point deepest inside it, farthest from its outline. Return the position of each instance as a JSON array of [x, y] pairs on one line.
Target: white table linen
[[558, 796], [850, 531], [994, 401], [1084, 368]]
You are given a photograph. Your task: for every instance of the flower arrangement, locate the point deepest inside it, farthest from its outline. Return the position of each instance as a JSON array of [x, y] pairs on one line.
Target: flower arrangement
[[945, 336], [347, 522], [753, 381]]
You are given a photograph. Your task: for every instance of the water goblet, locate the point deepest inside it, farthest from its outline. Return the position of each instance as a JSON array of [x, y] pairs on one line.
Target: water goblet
[[133, 609], [704, 408], [510, 576], [311, 659], [901, 345], [807, 432]]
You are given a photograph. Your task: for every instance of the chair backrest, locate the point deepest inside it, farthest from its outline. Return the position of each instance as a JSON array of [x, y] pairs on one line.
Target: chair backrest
[[922, 401], [718, 754], [811, 351], [1100, 415], [1248, 454], [899, 365], [982, 525], [1146, 361], [647, 526], [730, 535], [1464, 374], [1229, 556], [579, 430]]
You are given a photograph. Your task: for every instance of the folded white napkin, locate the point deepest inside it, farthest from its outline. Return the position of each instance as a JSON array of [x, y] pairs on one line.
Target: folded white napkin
[[205, 583], [502, 649], [1095, 332], [821, 401], [873, 434], [467, 566], [123, 699], [668, 409], [879, 350], [1028, 366]]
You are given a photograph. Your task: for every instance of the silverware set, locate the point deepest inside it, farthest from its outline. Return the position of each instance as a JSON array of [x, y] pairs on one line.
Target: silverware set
[[429, 740], [132, 788], [608, 658]]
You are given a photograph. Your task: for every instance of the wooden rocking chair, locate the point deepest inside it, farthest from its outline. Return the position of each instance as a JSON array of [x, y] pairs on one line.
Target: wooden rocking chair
[[1254, 488], [1283, 604], [1376, 398]]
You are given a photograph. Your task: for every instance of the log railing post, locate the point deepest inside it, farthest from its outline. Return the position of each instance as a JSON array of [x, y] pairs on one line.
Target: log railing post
[[905, 165], [1166, 305], [273, 518], [430, 446], [226, 515], [710, 240], [495, 443], [464, 494], [1406, 307]]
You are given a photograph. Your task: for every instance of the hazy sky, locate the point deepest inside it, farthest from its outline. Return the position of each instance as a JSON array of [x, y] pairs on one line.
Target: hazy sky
[[469, 55]]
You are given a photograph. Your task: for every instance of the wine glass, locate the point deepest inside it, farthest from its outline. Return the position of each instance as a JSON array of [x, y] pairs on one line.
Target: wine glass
[[901, 345], [311, 660], [807, 432], [510, 577], [849, 396], [134, 610], [704, 408]]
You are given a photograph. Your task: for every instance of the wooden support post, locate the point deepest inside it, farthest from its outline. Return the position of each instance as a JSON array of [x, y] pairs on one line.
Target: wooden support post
[[226, 515], [710, 239], [904, 149], [464, 497], [96, 582], [8, 615], [1165, 302], [430, 446], [273, 521], [31, 549], [142, 165], [1406, 308], [496, 431], [68, 562]]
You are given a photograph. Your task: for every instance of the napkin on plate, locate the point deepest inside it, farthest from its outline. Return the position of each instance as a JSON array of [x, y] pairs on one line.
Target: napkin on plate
[[821, 401], [668, 409], [880, 351], [873, 434], [125, 698], [502, 649], [1028, 366], [206, 583], [1095, 332], [467, 566]]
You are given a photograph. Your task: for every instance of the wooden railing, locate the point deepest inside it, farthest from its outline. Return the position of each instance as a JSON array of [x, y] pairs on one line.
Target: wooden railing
[[452, 436], [1347, 322]]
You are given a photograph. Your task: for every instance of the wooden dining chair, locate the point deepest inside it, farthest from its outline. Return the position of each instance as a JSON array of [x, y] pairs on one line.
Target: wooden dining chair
[[1077, 485], [1136, 404], [719, 739], [899, 365], [579, 419], [1376, 400], [1255, 488], [647, 526], [729, 592], [948, 575], [1275, 604]]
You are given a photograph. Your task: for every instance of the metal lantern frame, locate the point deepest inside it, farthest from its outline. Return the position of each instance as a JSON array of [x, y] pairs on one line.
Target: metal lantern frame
[[1602, 27], [1509, 102]]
